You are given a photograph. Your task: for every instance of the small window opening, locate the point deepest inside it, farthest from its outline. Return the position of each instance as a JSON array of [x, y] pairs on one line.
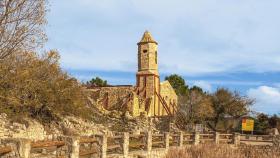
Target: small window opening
[[145, 51], [156, 57]]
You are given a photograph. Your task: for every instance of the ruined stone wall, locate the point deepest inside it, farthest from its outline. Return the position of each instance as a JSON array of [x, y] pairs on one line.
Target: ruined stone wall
[[169, 95], [117, 98], [142, 100], [33, 131], [111, 98]]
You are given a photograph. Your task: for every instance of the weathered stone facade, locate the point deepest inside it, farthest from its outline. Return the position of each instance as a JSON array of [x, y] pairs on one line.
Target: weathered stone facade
[[120, 98], [149, 96], [36, 131], [148, 82], [16, 130], [169, 95]]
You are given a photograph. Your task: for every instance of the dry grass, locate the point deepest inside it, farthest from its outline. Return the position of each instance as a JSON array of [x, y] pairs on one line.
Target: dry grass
[[223, 151]]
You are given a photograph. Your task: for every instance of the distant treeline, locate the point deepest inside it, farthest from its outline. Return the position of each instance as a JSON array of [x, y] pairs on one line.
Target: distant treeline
[[221, 110]]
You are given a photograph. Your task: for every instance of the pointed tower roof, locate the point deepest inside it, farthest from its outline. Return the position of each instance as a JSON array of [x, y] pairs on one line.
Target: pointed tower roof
[[147, 38]]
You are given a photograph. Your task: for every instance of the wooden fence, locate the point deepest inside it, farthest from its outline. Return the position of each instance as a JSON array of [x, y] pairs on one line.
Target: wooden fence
[[121, 144]]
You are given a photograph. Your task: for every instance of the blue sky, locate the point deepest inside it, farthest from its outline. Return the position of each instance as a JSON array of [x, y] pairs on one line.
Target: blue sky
[[212, 43]]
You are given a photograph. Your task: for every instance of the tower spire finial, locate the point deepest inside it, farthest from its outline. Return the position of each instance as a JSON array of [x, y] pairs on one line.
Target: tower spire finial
[[147, 38]]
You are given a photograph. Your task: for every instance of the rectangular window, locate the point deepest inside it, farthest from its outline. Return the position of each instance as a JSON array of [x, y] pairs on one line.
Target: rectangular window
[[156, 57]]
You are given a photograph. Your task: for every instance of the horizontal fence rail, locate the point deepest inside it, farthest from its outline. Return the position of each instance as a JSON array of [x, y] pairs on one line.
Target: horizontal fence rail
[[89, 146], [45, 144], [4, 150], [257, 139], [123, 144]]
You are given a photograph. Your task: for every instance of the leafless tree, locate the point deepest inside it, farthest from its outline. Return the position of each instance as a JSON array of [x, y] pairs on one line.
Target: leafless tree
[[21, 25]]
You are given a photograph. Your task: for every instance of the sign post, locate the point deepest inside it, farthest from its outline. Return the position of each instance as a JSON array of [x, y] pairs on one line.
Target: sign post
[[248, 125]]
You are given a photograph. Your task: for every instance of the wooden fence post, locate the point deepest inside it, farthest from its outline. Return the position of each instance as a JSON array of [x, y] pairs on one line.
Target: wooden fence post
[[196, 138], [73, 145], [125, 144], [236, 139], [104, 146], [276, 141], [149, 142], [24, 148], [181, 139], [217, 138], [166, 140]]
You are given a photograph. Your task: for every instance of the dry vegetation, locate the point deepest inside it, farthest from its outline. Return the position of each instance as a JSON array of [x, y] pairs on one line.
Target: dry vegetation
[[35, 86], [213, 151]]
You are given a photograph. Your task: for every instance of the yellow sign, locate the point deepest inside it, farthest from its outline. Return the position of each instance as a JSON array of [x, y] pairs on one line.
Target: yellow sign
[[247, 125]]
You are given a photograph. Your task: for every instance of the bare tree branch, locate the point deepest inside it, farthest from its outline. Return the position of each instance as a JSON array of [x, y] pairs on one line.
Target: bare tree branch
[[21, 26]]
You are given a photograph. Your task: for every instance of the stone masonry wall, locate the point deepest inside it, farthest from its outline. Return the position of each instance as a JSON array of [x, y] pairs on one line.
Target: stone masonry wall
[[33, 131], [147, 56], [110, 98], [169, 95], [117, 98]]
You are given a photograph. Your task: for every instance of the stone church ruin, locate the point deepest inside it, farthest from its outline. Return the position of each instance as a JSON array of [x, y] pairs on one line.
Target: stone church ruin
[[149, 96]]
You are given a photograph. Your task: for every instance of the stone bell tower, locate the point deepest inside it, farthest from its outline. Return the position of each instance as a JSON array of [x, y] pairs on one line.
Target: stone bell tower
[[148, 81]]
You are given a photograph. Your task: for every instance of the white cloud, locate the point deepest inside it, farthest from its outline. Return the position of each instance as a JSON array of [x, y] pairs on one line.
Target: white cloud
[[267, 99], [206, 86], [195, 37]]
